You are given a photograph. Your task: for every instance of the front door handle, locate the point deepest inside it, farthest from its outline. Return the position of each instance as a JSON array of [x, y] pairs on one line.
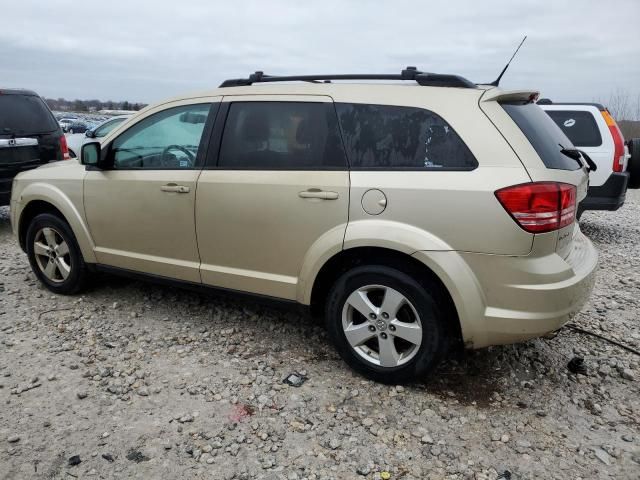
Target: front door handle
[[317, 193], [175, 188]]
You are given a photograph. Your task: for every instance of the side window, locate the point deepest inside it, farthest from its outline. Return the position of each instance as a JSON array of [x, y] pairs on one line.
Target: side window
[[166, 140], [579, 126], [388, 137], [104, 129], [281, 136]]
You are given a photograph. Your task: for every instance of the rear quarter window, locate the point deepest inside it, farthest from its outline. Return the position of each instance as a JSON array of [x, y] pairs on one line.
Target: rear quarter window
[[25, 114], [543, 134], [400, 138], [579, 126]]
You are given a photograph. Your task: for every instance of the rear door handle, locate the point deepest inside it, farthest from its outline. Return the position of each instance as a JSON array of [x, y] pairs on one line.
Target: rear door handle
[[172, 187], [316, 193]]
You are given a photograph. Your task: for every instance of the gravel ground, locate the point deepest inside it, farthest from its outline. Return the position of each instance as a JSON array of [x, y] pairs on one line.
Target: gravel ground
[[134, 380]]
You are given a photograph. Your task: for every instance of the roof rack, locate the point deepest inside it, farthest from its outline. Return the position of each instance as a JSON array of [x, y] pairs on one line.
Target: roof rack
[[409, 73]]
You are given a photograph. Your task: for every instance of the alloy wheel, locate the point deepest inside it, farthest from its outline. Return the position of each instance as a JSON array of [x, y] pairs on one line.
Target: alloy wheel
[[52, 254], [381, 325]]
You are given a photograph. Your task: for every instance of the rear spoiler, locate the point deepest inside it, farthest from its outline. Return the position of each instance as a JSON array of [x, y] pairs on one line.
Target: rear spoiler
[[499, 95]]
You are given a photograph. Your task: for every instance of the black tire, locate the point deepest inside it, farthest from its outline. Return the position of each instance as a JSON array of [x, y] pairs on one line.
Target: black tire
[[634, 163], [424, 300], [77, 277]]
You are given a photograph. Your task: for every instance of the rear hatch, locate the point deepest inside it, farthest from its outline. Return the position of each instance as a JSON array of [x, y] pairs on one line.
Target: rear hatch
[[29, 133], [538, 142]]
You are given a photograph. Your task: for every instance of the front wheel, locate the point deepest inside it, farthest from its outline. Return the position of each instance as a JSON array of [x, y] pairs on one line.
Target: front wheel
[[385, 324], [54, 254]]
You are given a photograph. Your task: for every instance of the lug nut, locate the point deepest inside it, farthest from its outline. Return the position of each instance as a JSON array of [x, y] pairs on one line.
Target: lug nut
[[383, 336], [392, 328], [372, 328], [373, 316], [385, 315]]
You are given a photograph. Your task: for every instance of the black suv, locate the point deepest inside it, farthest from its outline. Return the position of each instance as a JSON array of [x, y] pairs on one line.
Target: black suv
[[29, 136]]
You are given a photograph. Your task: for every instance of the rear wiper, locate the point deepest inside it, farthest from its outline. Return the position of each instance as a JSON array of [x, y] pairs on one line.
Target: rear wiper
[[578, 155]]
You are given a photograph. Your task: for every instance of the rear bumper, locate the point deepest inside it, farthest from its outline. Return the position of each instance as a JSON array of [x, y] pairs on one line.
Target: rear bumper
[[608, 196], [502, 299]]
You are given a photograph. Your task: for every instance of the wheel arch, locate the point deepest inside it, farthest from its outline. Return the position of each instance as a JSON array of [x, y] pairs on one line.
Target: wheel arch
[[357, 256], [57, 204]]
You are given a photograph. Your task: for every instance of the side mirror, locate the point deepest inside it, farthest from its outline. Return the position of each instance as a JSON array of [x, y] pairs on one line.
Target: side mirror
[[90, 134], [91, 154]]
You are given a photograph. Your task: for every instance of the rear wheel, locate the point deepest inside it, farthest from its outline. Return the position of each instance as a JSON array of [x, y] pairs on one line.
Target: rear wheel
[[385, 324], [54, 254]]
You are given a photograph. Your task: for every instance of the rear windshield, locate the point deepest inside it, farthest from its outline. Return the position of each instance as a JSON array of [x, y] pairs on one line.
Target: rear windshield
[[543, 134], [579, 126], [25, 114]]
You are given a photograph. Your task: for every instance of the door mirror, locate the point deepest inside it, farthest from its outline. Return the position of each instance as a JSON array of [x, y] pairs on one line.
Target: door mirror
[[90, 154], [90, 134]]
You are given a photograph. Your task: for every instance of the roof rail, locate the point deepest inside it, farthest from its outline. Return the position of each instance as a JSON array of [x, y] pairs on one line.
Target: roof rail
[[409, 73]]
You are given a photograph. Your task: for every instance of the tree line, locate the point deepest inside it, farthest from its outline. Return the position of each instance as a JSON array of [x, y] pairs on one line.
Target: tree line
[[626, 111], [62, 104]]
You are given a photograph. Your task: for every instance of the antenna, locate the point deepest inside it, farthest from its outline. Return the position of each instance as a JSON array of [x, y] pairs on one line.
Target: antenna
[[496, 82]]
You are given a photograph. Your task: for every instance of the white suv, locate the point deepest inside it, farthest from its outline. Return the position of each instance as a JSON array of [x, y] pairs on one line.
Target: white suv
[[592, 129], [415, 214]]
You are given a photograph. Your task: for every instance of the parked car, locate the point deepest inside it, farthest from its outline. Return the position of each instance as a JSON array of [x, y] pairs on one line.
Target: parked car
[[416, 216], [76, 140], [591, 128], [29, 136], [77, 126], [65, 122]]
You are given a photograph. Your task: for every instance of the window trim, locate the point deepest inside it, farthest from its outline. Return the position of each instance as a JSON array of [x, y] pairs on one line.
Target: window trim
[[203, 147], [403, 169], [215, 145]]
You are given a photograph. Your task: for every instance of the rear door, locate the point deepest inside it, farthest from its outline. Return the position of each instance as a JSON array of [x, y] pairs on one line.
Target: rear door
[[277, 186], [588, 131]]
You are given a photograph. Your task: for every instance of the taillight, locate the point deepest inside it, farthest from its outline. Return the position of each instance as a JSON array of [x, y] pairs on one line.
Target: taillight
[[618, 141], [540, 207], [64, 149]]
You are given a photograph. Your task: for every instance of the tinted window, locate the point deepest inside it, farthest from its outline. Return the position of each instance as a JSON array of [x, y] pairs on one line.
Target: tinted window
[[543, 134], [380, 136], [168, 139], [25, 114], [106, 127], [281, 136], [580, 127]]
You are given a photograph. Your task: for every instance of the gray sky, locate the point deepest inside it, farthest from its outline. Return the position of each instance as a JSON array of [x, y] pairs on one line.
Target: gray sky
[[146, 50]]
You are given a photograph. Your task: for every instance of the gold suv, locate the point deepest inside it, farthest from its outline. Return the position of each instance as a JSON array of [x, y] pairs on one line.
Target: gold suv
[[415, 214]]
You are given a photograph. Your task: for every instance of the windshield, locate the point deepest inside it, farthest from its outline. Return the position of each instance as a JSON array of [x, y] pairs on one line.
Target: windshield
[[543, 134], [25, 114], [107, 126]]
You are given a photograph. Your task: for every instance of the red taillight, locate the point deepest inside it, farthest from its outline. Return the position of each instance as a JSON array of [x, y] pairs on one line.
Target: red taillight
[[64, 149], [540, 207], [618, 141]]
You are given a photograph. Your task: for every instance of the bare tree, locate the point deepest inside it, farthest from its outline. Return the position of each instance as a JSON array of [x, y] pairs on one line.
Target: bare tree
[[620, 105]]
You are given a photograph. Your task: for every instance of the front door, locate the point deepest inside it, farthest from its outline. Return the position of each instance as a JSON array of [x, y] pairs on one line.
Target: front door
[[278, 186], [140, 211]]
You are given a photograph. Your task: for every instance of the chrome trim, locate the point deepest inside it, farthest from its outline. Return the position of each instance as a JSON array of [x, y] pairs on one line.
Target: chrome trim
[[18, 142]]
